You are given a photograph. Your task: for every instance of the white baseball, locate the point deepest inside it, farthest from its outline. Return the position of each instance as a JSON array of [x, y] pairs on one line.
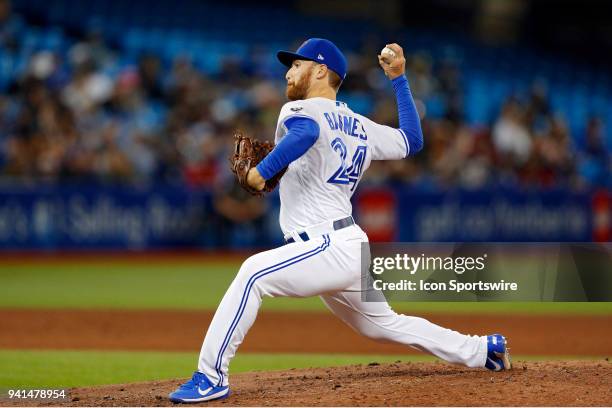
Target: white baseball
[[387, 53]]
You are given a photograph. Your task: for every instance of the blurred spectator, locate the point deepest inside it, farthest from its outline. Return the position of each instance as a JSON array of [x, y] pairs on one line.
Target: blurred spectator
[[553, 152], [150, 72], [87, 90], [422, 82], [90, 112], [595, 163], [91, 50], [451, 89], [538, 108], [511, 135]]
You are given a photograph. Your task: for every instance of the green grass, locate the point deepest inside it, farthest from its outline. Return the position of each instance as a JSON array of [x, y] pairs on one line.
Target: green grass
[[164, 284], [115, 285], [59, 369], [27, 368]]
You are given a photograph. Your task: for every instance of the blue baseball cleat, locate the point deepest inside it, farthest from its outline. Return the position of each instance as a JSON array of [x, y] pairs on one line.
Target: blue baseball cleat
[[199, 389], [498, 357]]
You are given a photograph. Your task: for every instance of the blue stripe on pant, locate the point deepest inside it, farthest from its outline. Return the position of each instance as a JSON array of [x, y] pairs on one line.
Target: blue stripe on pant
[[247, 290]]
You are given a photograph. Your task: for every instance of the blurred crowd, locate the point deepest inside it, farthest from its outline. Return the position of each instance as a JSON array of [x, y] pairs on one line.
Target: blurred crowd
[[84, 116]]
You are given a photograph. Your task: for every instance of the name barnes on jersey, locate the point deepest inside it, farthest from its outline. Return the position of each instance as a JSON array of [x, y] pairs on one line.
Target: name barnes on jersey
[[346, 124]]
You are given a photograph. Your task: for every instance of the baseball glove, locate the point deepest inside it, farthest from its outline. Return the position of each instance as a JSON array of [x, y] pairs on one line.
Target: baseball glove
[[248, 152]]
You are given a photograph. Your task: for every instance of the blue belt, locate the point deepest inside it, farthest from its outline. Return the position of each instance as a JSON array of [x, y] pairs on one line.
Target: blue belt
[[338, 224]]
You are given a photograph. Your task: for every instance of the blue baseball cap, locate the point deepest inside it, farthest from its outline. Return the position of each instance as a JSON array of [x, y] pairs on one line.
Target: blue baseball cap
[[318, 50]]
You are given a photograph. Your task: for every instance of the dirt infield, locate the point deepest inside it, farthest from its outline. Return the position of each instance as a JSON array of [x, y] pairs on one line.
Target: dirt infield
[[573, 383], [301, 332]]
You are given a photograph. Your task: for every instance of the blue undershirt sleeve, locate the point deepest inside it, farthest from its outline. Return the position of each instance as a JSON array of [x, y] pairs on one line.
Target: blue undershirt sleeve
[[301, 135], [409, 120]]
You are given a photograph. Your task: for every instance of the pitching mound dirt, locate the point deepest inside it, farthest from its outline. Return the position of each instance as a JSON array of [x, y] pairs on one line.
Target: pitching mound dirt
[[573, 383]]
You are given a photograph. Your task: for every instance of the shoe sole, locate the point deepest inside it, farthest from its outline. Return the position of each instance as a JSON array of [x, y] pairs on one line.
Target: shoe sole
[[506, 359], [506, 356], [213, 397]]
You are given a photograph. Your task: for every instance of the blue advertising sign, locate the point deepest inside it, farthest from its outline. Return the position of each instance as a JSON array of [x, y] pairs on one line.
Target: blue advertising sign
[[162, 216], [101, 217]]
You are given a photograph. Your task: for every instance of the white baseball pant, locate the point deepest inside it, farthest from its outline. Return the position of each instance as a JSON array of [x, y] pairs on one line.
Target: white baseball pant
[[329, 266]]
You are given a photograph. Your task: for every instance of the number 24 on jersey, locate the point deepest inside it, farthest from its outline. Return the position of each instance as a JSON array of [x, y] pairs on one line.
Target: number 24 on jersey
[[350, 174]]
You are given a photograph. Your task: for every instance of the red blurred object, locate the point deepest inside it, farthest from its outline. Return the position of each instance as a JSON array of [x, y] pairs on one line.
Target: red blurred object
[[377, 214], [602, 216], [201, 175]]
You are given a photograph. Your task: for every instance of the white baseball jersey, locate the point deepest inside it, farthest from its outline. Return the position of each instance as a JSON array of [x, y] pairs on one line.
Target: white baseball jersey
[[318, 186]]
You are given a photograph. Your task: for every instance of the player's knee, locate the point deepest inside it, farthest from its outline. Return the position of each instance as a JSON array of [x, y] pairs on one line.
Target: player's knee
[[249, 267], [246, 270]]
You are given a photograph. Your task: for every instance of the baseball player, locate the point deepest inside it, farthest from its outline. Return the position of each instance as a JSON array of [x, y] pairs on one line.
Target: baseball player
[[326, 147]]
